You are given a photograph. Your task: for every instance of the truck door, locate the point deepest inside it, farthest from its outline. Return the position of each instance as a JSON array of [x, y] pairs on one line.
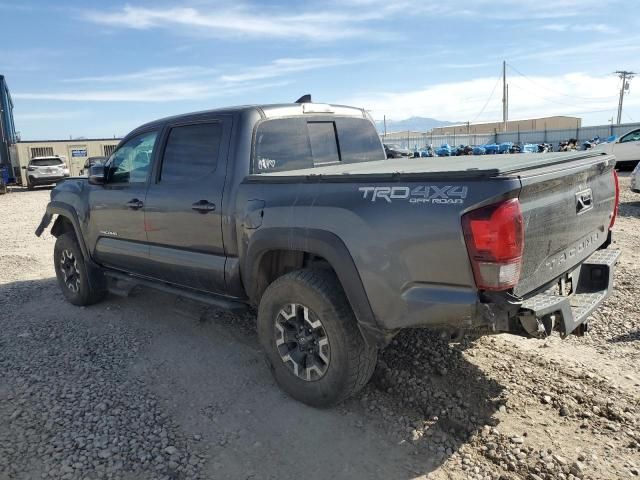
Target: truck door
[[116, 223], [183, 208]]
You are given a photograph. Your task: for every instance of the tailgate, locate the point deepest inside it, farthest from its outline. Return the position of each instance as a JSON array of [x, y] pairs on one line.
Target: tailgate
[[567, 209]]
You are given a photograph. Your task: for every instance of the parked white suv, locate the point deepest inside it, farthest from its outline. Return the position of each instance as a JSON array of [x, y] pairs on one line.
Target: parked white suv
[[626, 149], [45, 171]]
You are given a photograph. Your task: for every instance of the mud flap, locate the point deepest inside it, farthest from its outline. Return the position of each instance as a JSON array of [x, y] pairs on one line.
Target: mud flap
[[44, 223]]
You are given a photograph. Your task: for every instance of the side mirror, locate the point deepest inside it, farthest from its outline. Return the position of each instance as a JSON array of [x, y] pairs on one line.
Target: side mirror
[[97, 174], [24, 168]]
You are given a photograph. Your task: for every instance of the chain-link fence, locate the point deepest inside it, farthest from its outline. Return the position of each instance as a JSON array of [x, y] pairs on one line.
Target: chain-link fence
[[417, 140]]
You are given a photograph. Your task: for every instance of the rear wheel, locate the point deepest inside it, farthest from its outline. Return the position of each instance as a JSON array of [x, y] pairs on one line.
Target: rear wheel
[[72, 272], [311, 339]]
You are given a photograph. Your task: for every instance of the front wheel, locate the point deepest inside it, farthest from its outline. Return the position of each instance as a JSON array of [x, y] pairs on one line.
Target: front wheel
[[72, 272], [311, 339]]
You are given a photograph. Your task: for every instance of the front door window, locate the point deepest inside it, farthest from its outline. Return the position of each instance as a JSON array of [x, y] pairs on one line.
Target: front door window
[[631, 137], [131, 163]]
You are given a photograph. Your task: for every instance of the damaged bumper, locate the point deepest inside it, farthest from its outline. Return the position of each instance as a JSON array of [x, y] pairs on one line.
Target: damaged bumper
[[586, 288]]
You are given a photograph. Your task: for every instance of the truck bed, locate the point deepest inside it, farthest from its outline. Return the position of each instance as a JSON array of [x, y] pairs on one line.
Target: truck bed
[[421, 243], [436, 167]]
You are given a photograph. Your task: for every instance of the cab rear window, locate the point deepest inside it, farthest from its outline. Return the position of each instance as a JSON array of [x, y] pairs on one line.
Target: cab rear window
[[296, 143]]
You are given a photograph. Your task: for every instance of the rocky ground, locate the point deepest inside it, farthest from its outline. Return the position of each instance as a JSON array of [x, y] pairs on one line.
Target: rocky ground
[[152, 386]]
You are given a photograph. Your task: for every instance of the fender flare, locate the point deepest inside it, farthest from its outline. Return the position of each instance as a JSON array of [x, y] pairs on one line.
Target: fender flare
[[69, 213], [328, 246]]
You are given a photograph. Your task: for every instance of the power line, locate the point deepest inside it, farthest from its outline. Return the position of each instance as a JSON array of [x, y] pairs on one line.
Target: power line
[[488, 99], [546, 99], [555, 91], [630, 118]]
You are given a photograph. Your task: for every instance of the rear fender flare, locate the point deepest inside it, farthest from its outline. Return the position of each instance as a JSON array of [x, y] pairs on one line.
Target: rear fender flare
[[328, 246]]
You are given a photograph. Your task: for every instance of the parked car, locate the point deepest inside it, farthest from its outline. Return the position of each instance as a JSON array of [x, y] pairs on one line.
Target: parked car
[[91, 161], [396, 151], [635, 179], [626, 149], [45, 171], [294, 209]]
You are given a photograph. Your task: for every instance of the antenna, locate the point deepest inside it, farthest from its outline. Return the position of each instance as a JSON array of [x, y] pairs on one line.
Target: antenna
[[304, 99]]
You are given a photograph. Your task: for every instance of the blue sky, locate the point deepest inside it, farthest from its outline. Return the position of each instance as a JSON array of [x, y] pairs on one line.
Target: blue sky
[[97, 69]]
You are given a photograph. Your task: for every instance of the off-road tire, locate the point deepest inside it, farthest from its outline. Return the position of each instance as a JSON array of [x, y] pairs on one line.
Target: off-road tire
[[84, 291], [351, 362]]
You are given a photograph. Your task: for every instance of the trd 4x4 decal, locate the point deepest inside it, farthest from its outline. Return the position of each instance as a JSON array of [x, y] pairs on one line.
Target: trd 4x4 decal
[[433, 194]]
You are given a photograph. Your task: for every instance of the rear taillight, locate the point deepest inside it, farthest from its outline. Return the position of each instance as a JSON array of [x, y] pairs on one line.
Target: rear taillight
[[614, 214], [495, 240]]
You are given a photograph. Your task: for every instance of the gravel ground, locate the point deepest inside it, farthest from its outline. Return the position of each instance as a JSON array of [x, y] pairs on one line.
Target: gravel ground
[[152, 386]]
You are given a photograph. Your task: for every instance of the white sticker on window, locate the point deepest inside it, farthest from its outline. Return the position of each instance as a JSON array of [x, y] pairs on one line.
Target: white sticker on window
[[266, 163]]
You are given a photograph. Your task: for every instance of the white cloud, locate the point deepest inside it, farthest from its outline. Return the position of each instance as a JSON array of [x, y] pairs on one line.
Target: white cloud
[[584, 27], [591, 50], [187, 83], [150, 75], [57, 115], [486, 9], [224, 21], [464, 65], [568, 94], [163, 93], [282, 66], [338, 19]]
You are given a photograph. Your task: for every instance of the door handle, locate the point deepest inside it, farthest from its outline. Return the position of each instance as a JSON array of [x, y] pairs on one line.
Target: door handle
[[203, 206], [134, 204]]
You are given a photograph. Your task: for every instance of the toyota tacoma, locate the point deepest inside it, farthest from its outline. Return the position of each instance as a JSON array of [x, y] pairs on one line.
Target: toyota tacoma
[[295, 210]]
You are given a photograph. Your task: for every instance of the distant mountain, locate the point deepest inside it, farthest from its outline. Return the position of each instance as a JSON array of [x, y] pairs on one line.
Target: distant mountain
[[416, 124]]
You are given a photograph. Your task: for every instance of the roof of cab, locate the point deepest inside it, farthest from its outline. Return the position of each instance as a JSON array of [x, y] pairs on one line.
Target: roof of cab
[[271, 111]]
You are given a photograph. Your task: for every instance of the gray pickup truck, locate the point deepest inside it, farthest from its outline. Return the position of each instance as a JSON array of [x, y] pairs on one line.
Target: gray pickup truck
[[294, 209]]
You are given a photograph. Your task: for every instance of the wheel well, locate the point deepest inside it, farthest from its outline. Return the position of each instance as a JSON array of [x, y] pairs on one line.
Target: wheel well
[[61, 225], [275, 263]]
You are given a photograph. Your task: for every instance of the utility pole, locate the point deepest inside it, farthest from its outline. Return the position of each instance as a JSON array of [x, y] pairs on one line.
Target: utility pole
[[505, 105], [507, 117], [384, 119], [625, 76]]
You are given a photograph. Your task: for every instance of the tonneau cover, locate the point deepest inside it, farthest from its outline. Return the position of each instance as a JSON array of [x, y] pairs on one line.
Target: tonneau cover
[[463, 166]]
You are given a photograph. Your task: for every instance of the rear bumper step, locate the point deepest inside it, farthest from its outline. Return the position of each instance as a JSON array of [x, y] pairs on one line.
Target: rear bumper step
[[592, 283]]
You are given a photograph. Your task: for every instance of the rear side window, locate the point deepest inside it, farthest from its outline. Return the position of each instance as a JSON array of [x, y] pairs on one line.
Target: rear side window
[[297, 143], [282, 145], [324, 146], [359, 141], [191, 152], [46, 162]]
